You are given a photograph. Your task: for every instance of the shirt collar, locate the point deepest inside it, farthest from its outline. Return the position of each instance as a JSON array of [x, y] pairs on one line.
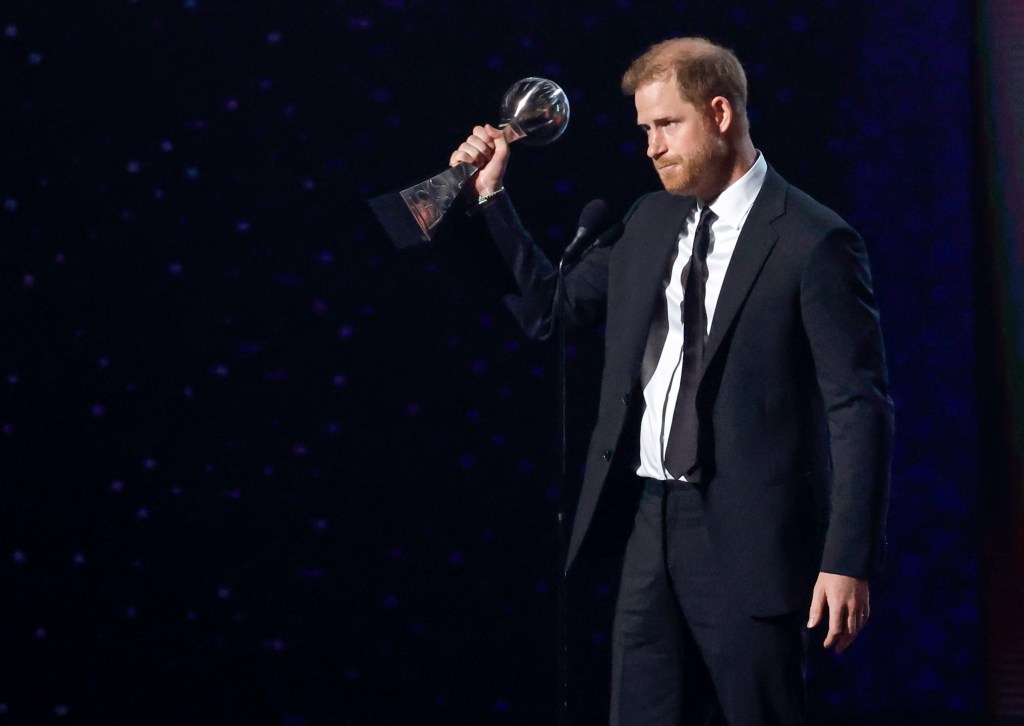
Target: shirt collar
[[732, 205]]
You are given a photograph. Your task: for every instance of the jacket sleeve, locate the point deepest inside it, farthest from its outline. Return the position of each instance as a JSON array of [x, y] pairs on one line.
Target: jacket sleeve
[[841, 320], [586, 284]]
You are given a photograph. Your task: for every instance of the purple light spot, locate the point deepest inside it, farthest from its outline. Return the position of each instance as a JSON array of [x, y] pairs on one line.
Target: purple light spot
[[59, 258], [149, 464], [456, 558], [396, 553], [486, 321], [603, 589], [798, 23], [352, 673], [628, 148], [274, 37], [268, 470], [276, 375], [542, 586], [502, 705], [412, 409], [231, 105], [360, 22], [488, 535], [221, 371], [499, 440], [537, 371], [103, 362], [563, 186], [299, 449], [511, 346], [525, 466], [12, 379], [143, 513], [134, 166], [131, 612], [175, 268], [319, 306], [313, 573], [380, 95], [11, 31], [8, 429], [598, 638], [19, 557], [39, 634], [78, 559], [339, 380], [274, 645], [553, 492], [308, 184], [188, 391], [390, 602], [11, 204], [467, 461], [324, 257], [98, 409], [345, 332], [242, 226], [478, 367], [117, 486], [320, 525], [248, 348], [61, 710], [166, 145], [28, 281], [35, 59], [472, 415], [223, 592]]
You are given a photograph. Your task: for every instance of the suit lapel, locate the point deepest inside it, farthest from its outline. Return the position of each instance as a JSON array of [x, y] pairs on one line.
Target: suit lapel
[[755, 242], [655, 245]]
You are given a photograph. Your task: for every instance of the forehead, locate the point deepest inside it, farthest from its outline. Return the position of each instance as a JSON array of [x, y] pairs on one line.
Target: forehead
[[660, 99]]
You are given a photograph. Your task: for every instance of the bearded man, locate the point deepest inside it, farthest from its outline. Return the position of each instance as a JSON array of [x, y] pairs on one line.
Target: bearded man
[[744, 397]]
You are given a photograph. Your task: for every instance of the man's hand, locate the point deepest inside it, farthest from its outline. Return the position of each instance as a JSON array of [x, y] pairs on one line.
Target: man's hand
[[849, 608], [487, 150]]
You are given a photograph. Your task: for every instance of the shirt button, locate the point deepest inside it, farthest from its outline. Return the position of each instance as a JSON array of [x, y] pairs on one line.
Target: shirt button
[[607, 455]]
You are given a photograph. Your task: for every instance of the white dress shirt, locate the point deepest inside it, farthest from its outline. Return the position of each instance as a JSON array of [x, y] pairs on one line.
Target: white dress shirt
[[731, 208]]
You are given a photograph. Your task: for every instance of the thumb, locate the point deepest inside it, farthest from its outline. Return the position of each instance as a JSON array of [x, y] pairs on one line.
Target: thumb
[[817, 606]]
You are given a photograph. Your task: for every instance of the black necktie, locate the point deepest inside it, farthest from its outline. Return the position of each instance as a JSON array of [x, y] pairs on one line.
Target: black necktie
[[681, 451]]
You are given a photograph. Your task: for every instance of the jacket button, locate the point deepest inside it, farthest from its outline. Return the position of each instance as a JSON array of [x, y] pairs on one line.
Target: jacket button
[[625, 398], [607, 455]]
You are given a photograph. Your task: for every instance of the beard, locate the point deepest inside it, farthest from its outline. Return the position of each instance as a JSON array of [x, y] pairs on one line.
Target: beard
[[684, 176]]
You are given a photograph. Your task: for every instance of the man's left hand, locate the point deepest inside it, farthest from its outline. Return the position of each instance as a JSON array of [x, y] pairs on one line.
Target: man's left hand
[[849, 608]]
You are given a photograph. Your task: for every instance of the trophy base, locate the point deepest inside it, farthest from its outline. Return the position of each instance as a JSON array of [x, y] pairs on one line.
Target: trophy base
[[411, 216]]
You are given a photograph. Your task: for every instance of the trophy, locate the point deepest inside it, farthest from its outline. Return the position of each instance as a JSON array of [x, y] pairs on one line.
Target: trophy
[[534, 110]]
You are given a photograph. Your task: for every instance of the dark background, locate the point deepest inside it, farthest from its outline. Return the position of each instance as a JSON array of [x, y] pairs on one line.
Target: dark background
[[256, 466]]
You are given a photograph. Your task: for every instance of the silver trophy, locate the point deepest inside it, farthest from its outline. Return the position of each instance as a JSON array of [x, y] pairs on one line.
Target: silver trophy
[[534, 110]]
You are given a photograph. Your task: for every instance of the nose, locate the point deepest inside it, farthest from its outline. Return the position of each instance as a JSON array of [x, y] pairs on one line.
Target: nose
[[655, 143]]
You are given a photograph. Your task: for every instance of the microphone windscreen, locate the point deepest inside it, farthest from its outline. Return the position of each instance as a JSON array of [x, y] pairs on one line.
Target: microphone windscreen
[[593, 215]]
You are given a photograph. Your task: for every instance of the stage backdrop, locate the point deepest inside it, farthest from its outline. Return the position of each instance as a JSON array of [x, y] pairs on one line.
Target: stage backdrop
[[258, 467]]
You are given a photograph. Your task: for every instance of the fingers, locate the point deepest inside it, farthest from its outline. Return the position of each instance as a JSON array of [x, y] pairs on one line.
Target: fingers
[[835, 625], [478, 148]]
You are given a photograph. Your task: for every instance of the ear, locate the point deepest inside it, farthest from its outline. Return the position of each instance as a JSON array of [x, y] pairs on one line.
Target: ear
[[721, 113]]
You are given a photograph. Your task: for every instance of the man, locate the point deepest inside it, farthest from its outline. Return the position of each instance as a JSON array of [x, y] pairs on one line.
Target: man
[[744, 389]]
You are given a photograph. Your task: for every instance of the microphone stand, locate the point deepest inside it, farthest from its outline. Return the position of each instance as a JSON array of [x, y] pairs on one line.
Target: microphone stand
[[562, 528]]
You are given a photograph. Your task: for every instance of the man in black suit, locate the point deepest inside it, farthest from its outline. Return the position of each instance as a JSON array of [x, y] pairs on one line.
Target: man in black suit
[[744, 394]]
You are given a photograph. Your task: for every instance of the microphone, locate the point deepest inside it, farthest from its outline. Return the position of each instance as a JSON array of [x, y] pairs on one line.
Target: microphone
[[610, 236], [591, 218]]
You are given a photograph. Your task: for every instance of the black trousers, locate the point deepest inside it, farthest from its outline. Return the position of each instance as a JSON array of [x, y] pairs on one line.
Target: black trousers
[[683, 650]]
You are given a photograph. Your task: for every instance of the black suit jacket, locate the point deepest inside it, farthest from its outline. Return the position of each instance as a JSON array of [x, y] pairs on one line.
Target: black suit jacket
[[795, 419]]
